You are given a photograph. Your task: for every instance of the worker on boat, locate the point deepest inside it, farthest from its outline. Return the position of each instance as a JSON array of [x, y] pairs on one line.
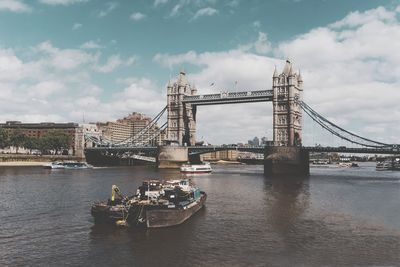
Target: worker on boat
[[116, 196]]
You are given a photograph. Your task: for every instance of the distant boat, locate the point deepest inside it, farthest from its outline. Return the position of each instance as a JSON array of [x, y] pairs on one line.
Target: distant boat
[[389, 165], [196, 168], [68, 165], [348, 164]]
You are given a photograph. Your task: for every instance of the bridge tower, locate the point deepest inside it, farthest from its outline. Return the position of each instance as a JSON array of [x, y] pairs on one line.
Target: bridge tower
[[287, 114], [181, 118]]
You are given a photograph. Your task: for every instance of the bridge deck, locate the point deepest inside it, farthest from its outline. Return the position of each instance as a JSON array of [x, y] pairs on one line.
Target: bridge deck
[[256, 149], [229, 98]]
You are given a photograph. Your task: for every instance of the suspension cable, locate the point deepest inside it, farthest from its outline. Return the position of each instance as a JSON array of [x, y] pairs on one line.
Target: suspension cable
[[330, 126]]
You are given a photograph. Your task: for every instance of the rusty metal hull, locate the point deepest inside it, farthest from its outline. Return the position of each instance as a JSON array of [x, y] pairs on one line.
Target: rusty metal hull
[[156, 218]]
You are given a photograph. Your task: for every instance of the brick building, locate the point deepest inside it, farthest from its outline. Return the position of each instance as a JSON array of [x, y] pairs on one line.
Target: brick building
[[37, 130]]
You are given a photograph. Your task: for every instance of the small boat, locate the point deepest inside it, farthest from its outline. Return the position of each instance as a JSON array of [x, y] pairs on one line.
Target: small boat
[[348, 164], [200, 168], [155, 204], [390, 164], [68, 165]]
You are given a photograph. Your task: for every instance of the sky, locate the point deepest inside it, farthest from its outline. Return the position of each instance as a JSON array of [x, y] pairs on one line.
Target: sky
[[95, 60]]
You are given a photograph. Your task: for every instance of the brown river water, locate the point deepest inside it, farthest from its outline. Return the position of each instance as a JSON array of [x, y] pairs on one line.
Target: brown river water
[[334, 217]]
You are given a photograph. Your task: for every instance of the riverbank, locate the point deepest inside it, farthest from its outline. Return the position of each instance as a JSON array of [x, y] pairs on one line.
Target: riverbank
[[33, 160], [23, 163]]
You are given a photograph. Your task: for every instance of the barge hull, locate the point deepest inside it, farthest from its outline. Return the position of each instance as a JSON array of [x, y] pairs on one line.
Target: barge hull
[[171, 217]]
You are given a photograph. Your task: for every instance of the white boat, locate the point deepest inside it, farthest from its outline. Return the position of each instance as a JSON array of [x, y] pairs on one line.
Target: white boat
[[196, 168], [348, 164], [68, 165]]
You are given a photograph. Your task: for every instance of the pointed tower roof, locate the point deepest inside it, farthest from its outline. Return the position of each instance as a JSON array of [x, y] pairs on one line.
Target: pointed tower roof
[[182, 80], [287, 68], [275, 73], [291, 71], [299, 78]]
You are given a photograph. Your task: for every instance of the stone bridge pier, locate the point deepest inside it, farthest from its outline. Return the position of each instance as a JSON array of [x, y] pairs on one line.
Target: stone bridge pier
[[281, 160]]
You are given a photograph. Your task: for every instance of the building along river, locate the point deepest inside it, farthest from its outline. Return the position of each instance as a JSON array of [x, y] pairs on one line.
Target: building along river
[[336, 217]]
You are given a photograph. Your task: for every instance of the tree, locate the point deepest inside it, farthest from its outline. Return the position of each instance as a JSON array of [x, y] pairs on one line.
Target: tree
[[31, 143], [18, 139], [55, 141], [4, 141]]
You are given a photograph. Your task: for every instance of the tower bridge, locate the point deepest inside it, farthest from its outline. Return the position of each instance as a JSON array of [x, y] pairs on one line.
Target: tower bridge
[[285, 155]]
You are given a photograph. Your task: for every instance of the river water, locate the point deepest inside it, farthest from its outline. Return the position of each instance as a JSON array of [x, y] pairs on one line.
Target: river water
[[335, 217]]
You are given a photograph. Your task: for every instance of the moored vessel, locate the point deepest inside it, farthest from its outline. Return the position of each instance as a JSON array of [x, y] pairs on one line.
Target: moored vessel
[[155, 204], [68, 165], [390, 164], [348, 164], [196, 168]]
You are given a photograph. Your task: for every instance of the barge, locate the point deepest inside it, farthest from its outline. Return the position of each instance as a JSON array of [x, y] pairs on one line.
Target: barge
[[156, 204]]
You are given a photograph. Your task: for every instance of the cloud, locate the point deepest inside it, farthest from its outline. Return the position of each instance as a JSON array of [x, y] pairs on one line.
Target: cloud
[[130, 61], [56, 86], [175, 10], [90, 45], [351, 71], [14, 6], [113, 62], [137, 16], [61, 2], [45, 89], [207, 11], [64, 59], [110, 6], [11, 66], [257, 24], [233, 3], [76, 26], [262, 45], [355, 19], [159, 2]]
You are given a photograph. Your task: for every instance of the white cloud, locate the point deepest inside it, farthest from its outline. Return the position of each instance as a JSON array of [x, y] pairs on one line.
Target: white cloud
[[130, 61], [175, 10], [257, 24], [14, 6], [233, 3], [159, 2], [45, 89], [110, 6], [355, 19], [207, 11], [61, 2], [350, 68], [10, 65], [262, 45], [64, 59], [113, 62], [136, 16], [90, 45], [76, 26]]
